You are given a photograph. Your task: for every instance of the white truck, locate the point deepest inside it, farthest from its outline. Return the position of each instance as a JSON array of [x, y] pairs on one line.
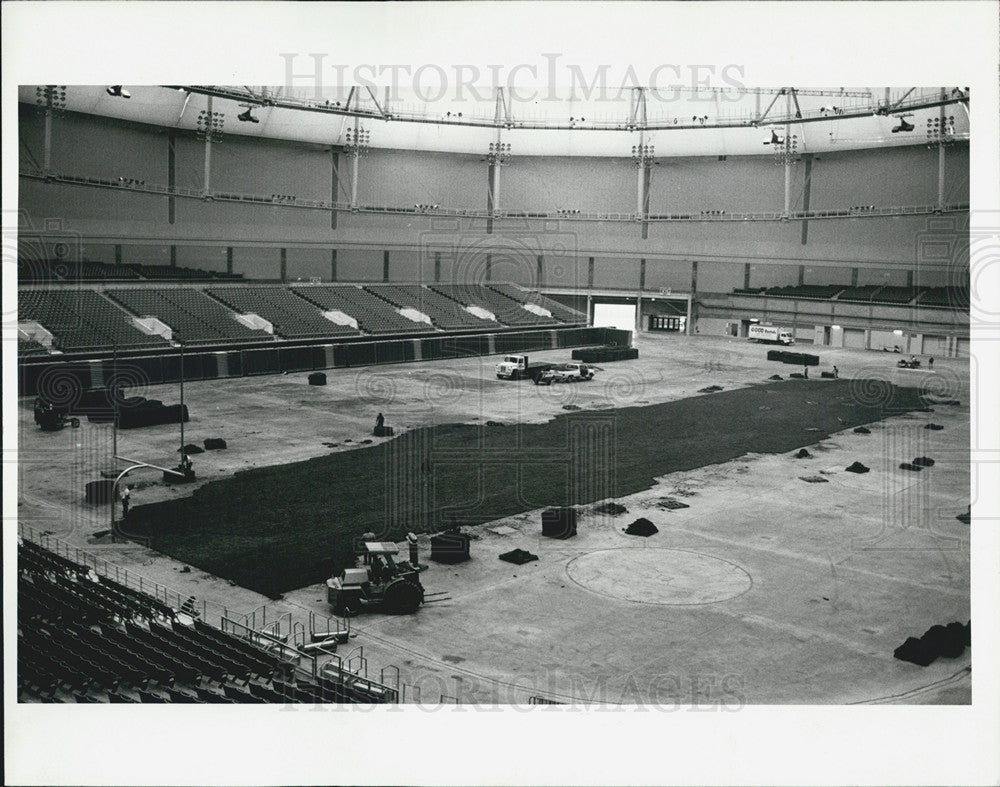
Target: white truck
[[516, 367], [570, 372], [770, 334]]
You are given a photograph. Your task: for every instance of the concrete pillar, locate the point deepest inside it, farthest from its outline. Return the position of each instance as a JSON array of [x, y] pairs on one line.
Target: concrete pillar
[[437, 266], [746, 276], [539, 271], [333, 265], [229, 260], [385, 266], [334, 185], [173, 255], [489, 267], [802, 275], [590, 273], [118, 253], [283, 267], [854, 277]]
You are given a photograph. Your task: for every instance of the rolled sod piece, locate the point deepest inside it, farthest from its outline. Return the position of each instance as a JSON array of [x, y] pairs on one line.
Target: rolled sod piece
[[214, 443], [862, 430], [924, 461], [934, 427], [908, 466]]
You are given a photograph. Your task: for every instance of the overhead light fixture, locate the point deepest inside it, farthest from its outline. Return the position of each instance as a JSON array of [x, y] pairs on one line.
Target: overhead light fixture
[[247, 117], [117, 91], [903, 125]]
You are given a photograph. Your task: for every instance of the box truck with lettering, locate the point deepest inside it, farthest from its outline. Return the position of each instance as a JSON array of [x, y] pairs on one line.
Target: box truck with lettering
[[770, 334]]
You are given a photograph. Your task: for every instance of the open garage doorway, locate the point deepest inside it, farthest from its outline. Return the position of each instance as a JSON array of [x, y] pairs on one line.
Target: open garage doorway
[[615, 315]]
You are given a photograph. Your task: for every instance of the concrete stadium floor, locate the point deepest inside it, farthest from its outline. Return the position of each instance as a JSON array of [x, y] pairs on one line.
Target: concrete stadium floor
[[767, 589]]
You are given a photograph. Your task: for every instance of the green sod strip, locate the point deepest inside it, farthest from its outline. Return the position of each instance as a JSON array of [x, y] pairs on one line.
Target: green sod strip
[[278, 528]]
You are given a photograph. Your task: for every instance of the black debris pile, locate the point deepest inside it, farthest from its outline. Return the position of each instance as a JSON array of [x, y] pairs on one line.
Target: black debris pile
[[966, 517], [571, 407], [494, 423], [191, 448], [797, 375], [671, 504], [814, 479], [802, 453], [214, 443], [365, 442], [614, 509], [908, 466], [938, 641], [924, 461], [915, 651], [828, 375], [710, 389], [317, 378], [862, 430], [934, 427], [642, 527], [856, 467], [775, 377], [518, 557]]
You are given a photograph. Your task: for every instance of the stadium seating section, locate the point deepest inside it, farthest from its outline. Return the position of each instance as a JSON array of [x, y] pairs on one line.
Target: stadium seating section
[[192, 316], [558, 311], [374, 315], [45, 271], [292, 317], [89, 639], [443, 311], [869, 293], [82, 319], [507, 310], [29, 347]]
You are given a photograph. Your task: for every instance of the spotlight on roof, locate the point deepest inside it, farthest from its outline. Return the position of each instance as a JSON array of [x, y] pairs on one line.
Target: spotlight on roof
[[247, 117], [118, 92]]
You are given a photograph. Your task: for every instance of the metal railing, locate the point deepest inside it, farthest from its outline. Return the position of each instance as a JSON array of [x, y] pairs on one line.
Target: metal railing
[[618, 217], [166, 595]]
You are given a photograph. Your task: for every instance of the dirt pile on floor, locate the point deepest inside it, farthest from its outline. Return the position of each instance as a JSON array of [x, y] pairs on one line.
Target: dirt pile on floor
[[518, 557], [802, 453], [856, 467], [642, 527], [614, 509]]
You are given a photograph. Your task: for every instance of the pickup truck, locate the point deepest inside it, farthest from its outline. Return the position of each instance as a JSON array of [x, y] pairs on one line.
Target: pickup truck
[[572, 372], [516, 367]]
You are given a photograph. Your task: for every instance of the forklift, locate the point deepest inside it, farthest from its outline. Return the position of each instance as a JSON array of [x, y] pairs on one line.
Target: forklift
[[378, 584]]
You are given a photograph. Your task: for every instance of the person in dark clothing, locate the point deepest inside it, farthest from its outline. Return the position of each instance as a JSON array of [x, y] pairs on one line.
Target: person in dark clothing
[[836, 372], [126, 498], [930, 362], [379, 421]]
